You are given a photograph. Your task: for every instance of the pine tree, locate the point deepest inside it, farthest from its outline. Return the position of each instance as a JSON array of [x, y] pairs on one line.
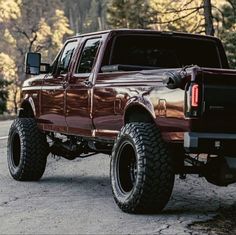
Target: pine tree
[[139, 14], [95, 19], [227, 31], [129, 14]]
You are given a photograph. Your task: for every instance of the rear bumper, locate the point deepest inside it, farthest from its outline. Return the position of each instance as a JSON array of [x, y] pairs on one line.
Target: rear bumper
[[212, 143]]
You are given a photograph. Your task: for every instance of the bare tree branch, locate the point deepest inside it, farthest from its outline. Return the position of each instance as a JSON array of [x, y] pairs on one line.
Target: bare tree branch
[[178, 11], [179, 18], [18, 30]]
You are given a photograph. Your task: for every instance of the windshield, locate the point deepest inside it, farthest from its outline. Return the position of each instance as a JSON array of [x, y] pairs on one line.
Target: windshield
[[164, 51]]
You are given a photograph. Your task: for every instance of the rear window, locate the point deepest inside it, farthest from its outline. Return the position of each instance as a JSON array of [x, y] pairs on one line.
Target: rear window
[[164, 52]]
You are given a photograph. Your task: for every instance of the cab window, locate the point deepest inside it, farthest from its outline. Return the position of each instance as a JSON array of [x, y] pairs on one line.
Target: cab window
[[65, 58], [88, 55]]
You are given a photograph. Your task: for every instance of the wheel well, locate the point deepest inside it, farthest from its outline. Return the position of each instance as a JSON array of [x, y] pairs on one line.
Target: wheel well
[[26, 111], [138, 114]]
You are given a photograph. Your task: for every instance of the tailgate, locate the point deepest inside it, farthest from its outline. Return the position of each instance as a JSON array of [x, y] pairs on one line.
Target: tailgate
[[218, 100]]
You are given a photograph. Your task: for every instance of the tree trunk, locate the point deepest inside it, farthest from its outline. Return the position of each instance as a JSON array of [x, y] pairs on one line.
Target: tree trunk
[[209, 28]]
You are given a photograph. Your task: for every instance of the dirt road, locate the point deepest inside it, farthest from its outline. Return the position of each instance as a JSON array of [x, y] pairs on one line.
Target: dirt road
[[75, 197]]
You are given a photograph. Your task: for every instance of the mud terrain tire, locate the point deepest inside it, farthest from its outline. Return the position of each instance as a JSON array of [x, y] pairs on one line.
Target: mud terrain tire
[[141, 171], [27, 150]]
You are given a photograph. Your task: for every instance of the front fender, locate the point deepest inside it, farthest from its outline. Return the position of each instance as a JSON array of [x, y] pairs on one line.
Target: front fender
[[27, 107]]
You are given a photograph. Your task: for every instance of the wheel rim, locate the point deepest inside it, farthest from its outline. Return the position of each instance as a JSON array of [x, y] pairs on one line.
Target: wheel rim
[[16, 150], [126, 168]]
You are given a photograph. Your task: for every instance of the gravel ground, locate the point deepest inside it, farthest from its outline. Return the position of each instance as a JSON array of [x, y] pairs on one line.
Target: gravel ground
[[74, 197], [223, 223]]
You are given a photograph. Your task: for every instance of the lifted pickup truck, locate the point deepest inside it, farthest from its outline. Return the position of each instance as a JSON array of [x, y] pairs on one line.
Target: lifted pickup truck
[[160, 103]]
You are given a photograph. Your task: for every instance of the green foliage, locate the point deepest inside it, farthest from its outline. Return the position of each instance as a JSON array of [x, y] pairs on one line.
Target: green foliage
[[227, 31], [3, 95], [229, 39], [129, 14], [95, 18], [8, 76]]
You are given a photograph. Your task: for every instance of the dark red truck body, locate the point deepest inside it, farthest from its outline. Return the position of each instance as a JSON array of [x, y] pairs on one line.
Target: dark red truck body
[[159, 103], [97, 104]]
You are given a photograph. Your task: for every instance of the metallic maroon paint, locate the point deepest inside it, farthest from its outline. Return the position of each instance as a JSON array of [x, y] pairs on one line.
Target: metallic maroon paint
[[67, 105], [78, 107], [117, 92]]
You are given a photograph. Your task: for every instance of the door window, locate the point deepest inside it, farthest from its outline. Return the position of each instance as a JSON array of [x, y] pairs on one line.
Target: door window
[[88, 56], [66, 56]]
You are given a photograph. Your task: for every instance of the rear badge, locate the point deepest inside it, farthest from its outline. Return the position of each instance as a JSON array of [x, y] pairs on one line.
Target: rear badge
[[216, 108]]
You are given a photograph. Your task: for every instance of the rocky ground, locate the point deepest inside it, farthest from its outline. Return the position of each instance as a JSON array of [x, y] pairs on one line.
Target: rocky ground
[[75, 197]]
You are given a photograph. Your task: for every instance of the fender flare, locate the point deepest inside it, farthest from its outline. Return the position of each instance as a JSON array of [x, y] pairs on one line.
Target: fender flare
[[28, 102], [140, 102]]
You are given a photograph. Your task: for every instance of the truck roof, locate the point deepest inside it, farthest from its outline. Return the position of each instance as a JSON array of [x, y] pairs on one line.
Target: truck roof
[[143, 31]]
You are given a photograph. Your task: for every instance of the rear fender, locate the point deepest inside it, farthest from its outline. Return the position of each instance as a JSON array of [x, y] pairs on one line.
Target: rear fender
[[139, 109]]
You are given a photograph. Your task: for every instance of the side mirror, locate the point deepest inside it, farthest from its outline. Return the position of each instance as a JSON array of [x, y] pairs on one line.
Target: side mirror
[[32, 63]]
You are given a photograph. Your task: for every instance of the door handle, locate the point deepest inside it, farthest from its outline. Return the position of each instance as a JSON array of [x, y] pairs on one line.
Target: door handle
[[88, 83], [50, 92], [64, 84]]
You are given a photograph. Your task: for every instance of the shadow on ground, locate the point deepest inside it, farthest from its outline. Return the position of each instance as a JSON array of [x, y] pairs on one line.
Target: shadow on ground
[[222, 224], [181, 202]]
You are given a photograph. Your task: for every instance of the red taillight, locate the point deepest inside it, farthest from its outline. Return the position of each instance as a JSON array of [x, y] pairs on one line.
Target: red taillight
[[195, 95]]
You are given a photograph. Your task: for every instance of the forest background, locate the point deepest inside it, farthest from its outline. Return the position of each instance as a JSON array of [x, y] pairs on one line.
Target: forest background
[[43, 25]]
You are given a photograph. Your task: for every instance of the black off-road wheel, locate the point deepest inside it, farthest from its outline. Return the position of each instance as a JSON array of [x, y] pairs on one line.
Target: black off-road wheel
[[27, 150], [142, 175]]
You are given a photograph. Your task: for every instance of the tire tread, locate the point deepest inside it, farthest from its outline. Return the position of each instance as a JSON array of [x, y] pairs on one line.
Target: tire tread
[[34, 150], [156, 177]]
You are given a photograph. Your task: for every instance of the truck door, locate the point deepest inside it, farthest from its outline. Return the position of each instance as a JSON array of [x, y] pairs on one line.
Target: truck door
[[109, 96], [79, 91], [53, 90]]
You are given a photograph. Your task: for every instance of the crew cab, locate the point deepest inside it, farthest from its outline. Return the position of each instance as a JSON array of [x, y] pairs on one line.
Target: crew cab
[[160, 103]]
